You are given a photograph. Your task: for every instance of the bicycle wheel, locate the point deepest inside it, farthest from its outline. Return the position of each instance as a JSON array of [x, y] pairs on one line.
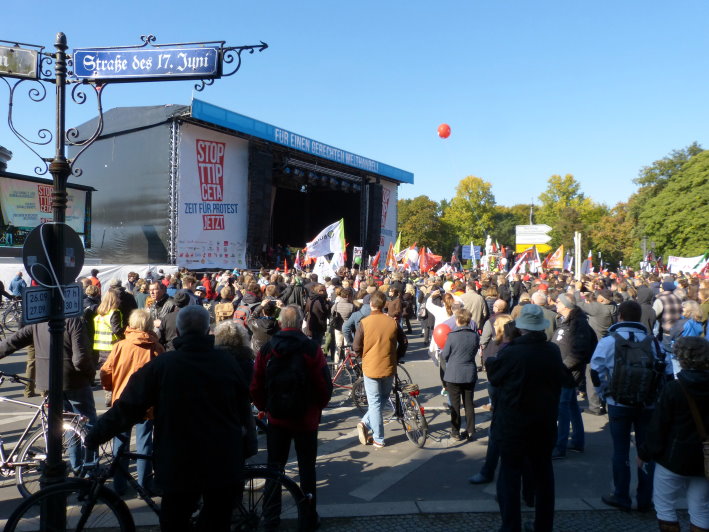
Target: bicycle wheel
[[341, 384], [413, 420], [359, 397], [103, 510], [34, 453], [12, 318], [403, 374], [271, 501]]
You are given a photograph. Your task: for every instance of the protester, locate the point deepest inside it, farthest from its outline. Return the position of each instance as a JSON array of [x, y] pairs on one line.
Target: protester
[[461, 374], [200, 399], [292, 384], [528, 375], [380, 342], [630, 396], [138, 348]]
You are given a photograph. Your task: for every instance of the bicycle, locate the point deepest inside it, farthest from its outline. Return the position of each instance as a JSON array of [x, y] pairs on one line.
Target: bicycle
[[344, 375], [405, 407], [270, 501], [27, 456], [11, 316], [359, 396]]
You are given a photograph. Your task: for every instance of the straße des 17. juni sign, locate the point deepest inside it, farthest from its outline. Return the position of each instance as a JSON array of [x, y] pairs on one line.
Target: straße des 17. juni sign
[[126, 64]]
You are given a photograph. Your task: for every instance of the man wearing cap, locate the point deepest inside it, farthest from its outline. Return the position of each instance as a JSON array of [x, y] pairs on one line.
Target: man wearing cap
[[602, 313], [667, 307], [576, 340], [528, 376]]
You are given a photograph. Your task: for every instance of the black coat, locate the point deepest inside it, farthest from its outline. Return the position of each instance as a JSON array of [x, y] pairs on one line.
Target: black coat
[[201, 403], [79, 368], [672, 439], [577, 341], [528, 374]]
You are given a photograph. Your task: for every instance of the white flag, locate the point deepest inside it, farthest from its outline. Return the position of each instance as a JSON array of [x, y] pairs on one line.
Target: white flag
[[329, 240]]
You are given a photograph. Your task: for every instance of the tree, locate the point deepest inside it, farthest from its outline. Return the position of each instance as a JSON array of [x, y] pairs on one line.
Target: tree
[[420, 220], [470, 213], [566, 209], [677, 219], [505, 219], [652, 180], [613, 236]]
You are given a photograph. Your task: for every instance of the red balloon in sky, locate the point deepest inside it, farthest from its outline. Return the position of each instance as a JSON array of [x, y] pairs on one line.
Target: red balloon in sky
[[444, 131]]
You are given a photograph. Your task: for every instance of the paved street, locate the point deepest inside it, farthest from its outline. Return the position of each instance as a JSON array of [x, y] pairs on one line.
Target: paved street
[[401, 486]]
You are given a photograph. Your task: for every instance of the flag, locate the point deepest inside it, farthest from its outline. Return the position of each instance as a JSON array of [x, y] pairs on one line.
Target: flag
[[375, 261], [412, 258], [568, 262], [391, 258], [704, 257], [556, 259], [397, 244], [298, 265], [285, 266], [338, 260], [322, 268], [524, 257], [329, 240]]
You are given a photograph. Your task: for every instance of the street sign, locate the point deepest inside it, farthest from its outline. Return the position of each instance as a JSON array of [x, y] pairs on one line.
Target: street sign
[[141, 64], [535, 228], [36, 303], [38, 251], [533, 238], [16, 62]]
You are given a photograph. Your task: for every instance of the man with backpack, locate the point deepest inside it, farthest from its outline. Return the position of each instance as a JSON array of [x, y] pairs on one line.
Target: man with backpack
[[627, 369], [292, 384]]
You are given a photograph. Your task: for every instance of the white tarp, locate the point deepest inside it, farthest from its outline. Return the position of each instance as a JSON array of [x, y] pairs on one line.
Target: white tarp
[[212, 199]]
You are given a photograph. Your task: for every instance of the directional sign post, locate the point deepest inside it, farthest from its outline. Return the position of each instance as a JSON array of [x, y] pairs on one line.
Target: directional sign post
[[532, 234]]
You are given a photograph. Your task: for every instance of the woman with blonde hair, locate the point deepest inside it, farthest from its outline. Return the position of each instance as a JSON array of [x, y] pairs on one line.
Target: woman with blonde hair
[[127, 356], [108, 329]]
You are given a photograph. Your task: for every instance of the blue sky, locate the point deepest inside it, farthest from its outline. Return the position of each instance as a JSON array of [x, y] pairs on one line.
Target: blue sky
[[596, 89]]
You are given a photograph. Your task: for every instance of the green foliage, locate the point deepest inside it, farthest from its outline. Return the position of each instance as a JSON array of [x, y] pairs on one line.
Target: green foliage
[[470, 213], [566, 209], [420, 220], [677, 218], [612, 234], [505, 219]]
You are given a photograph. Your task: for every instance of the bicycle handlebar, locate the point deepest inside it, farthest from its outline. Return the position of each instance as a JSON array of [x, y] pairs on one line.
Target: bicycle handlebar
[[15, 378]]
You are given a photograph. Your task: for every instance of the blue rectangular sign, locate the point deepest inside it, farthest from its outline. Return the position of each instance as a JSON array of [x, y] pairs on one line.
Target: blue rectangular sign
[[147, 63], [466, 252]]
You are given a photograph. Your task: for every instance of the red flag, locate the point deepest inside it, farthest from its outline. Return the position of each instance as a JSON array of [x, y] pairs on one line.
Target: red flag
[[285, 266], [375, 262]]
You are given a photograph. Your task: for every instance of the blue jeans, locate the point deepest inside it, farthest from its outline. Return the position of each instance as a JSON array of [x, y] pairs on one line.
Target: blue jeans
[[378, 391], [569, 413], [79, 401], [622, 420], [143, 445]]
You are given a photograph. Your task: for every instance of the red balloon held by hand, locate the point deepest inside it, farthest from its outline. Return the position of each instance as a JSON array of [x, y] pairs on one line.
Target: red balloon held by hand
[[444, 131], [440, 335]]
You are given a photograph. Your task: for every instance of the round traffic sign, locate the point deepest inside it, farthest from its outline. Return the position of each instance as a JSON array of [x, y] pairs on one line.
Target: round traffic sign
[[47, 264]]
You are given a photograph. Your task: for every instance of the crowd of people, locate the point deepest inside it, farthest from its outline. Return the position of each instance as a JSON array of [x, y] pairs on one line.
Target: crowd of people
[[168, 348]]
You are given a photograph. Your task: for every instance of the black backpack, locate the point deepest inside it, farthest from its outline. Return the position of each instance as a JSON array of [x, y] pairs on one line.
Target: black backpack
[[287, 386], [637, 374]]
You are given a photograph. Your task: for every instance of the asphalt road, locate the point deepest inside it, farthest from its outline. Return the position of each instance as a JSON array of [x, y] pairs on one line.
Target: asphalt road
[[359, 484]]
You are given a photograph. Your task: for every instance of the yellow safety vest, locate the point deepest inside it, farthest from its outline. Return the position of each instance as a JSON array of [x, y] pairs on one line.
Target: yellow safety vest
[[103, 332]]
